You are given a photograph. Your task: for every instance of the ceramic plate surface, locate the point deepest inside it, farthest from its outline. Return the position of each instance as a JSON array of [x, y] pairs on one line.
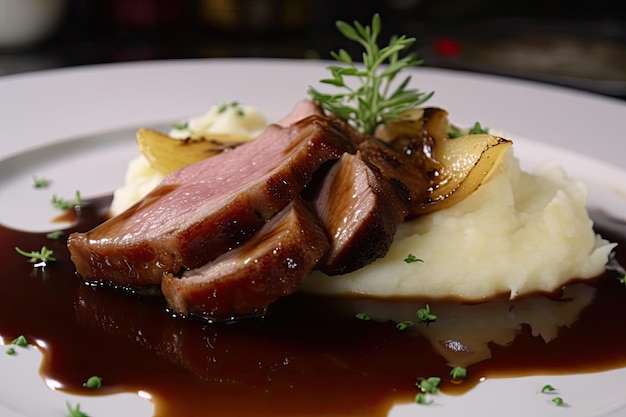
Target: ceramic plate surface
[[77, 126]]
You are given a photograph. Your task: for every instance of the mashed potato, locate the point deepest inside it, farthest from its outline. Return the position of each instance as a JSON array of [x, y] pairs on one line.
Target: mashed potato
[[229, 118], [518, 233]]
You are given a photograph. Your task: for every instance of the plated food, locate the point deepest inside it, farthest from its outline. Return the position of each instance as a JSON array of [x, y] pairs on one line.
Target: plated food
[[363, 163], [94, 309]]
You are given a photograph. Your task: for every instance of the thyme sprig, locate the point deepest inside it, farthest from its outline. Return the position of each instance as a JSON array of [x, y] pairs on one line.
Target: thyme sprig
[[377, 98], [40, 257], [64, 204]]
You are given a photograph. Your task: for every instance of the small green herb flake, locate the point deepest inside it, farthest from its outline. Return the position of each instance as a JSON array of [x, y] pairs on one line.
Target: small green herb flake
[[458, 373], [233, 105], [455, 133], [94, 382], [558, 401], [477, 129], [63, 204], [362, 316], [41, 182], [404, 324], [410, 258], [180, 125], [20, 341], [430, 385], [40, 257], [10, 351], [547, 388], [60, 203], [74, 411], [55, 235], [425, 316], [421, 398]]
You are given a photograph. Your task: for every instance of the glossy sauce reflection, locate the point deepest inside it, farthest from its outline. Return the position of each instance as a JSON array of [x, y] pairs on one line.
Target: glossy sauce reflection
[[310, 355]]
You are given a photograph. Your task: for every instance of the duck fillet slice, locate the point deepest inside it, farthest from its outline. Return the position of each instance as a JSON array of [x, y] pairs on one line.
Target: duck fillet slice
[[201, 211], [360, 210], [269, 265], [409, 180]]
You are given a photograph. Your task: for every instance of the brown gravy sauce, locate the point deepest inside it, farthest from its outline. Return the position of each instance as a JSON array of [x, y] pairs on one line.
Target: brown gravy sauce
[[307, 357]]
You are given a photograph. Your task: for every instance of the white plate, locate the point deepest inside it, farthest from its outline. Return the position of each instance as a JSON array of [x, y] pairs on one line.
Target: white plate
[[76, 126]]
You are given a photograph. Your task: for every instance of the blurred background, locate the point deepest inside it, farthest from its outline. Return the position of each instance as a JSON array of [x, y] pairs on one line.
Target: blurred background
[[576, 43]]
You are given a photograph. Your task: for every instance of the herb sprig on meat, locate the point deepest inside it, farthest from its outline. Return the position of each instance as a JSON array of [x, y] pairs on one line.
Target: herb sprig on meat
[[376, 98]]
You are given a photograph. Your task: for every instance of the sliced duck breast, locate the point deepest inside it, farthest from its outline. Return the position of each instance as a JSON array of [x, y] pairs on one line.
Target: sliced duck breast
[[360, 210], [205, 209], [410, 181], [244, 281]]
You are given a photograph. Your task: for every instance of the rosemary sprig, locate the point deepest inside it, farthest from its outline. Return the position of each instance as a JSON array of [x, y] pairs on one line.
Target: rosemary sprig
[[376, 98]]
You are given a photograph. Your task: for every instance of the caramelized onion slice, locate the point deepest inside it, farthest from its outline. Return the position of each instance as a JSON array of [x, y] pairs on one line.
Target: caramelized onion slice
[[167, 154], [466, 162], [455, 167]]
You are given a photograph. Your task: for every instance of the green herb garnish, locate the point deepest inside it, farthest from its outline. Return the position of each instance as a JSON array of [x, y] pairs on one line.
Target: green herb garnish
[[550, 389], [234, 105], [404, 324], [180, 125], [429, 385], [56, 235], [420, 398], [477, 129], [455, 133], [63, 204], [94, 382], [425, 316], [458, 372], [20, 341], [43, 255], [362, 316], [74, 411], [41, 182], [412, 258], [377, 98]]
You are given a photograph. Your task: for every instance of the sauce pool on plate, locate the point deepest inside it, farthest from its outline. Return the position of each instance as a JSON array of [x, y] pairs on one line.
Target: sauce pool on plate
[[310, 355]]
